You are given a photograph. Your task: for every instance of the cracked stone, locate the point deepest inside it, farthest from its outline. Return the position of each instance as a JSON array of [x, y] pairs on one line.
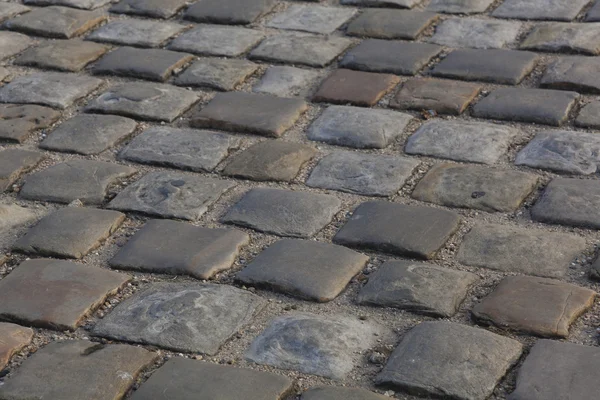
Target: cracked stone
[[216, 40], [284, 81], [233, 12], [64, 55], [12, 215], [345, 86], [382, 3], [340, 393], [12, 43], [149, 8], [558, 10], [441, 96], [18, 122], [216, 73], [564, 37], [459, 6], [589, 116], [311, 18], [391, 24], [573, 73], [81, 4], [14, 163], [136, 32], [9, 10], [476, 33], [12, 339]]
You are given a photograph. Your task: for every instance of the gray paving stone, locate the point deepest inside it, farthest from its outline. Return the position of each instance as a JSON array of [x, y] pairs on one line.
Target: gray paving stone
[[13, 338], [595, 270], [57, 370], [540, 106], [558, 10], [149, 8], [9, 10], [181, 317], [149, 101], [419, 287], [589, 116], [215, 40], [63, 55], [366, 174], [488, 65], [420, 364], [54, 89], [4, 74], [382, 3], [14, 163], [538, 306], [262, 114], [593, 14], [340, 393], [476, 33], [136, 32], [191, 149], [573, 73], [398, 229], [171, 247], [300, 48], [12, 215], [188, 380], [171, 195], [81, 4], [83, 180], [241, 12], [459, 6], [216, 73], [314, 344], [286, 81], [12, 43], [311, 18], [55, 294], [18, 122], [564, 37], [303, 268], [514, 249], [461, 141], [474, 186], [274, 160], [391, 24]]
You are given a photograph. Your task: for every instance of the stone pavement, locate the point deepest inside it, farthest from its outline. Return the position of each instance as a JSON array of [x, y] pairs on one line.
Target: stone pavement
[[299, 199]]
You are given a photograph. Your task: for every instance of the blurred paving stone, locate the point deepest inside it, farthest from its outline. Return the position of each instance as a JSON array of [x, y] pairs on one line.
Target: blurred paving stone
[[418, 287], [191, 149], [391, 24], [83, 180], [366, 174], [56, 22], [150, 101], [55, 294], [57, 371], [461, 140], [14, 163], [215, 40], [9, 10], [589, 116], [233, 12], [593, 15], [274, 160], [594, 272], [181, 317], [304, 268], [573, 73], [12, 215], [314, 344], [558, 10], [54, 89], [4, 74], [355, 87], [564, 37], [171, 247], [12, 339], [262, 114], [171, 194], [311, 18], [382, 3], [286, 81], [358, 127], [538, 306], [64, 55], [474, 186], [390, 56], [136, 32], [70, 232], [398, 229], [3, 258], [460, 6], [340, 393], [17, 122], [477, 33], [540, 106], [420, 364], [216, 73], [12, 43], [149, 8], [514, 249], [82, 4], [189, 380]]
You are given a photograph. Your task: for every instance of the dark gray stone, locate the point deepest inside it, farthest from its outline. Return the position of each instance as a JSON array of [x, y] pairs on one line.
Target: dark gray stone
[[18, 122], [564, 37], [573, 73], [63, 55], [382, 3], [136, 32], [149, 8], [216, 73], [215, 40], [12, 215], [9, 10], [284, 81], [476, 33], [81, 4], [589, 116], [459, 6], [593, 15], [595, 271], [340, 393], [14, 163], [391, 24], [240, 12], [12, 43], [557, 10], [311, 18]]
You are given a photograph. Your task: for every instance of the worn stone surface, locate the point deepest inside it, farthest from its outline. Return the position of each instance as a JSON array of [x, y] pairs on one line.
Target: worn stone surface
[[441, 96], [459, 6], [558, 10], [381, 3], [595, 270], [180, 248], [181, 317], [216, 73], [81, 4], [171, 195], [311, 18], [149, 8], [18, 122], [420, 363], [593, 14], [345, 86], [64, 55], [136, 32], [304, 268], [12, 43], [55, 294], [215, 40], [240, 12], [391, 24], [476, 33], [284, 81], [539, 306], [589, 116], [4, 74], [564, 37], [340, 393], [70, 232], [473, 186], [12, 339], [14, 163], [366, 174], [514, 249], [12, 215], [398, 229], [573, 73], [8, 10]]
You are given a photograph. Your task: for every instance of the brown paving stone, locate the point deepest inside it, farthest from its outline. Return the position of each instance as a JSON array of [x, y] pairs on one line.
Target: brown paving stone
[[149, 8], [12, 43], [14, 163], [355, 87], [12, 339], [64, 55], [12, 215], [391, 24], [441, 96], [229, 11], [136, 32], [17, 122], [216, 73], [340, 393], [9, 10]]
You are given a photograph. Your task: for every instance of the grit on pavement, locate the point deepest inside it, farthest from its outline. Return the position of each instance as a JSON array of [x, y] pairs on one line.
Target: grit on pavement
[[299, 200]]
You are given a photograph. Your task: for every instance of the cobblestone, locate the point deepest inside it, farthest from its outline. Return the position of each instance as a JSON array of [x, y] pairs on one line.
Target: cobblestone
[[476, 33], [391, 24], [589, 116], [573, 73], [14, 163], [18, 122], [382, 3], [132, 32], [12, 43], [558, 10], [8, 10], [240, 12], [460, 6], [215, 73], [13, 338], [149, 8], [82, 4], [65, 55], [563, 37], [340, 393], [366, 90], [286, 81], [216, 40], [311, 18], [13, 215], [56, 22]]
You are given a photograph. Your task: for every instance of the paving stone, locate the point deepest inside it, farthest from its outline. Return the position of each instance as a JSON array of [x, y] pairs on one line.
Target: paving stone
[[593, 15], [340, 393], [594, 272], [12, 215], [12, 339], [83, 180], [391, 24], [589, 116], [271, 160], [355, 87], [240, 12], [398, 229], [63, 55], [55, 294], [382, 3], [181, 317], [304, 268], [286, 81], [56, 22], [476, 33], [215, 40], [420, 363], [70, 232], [54, 89], [540, 106], [81, 4], [216, 73], [402, 58], [558, 10], [12, 43], [191, 149], [136, 32], [9, 10], [461, 141], [311, 18], [441, 96], [149, 8], [150, 101], [488, 65], [4, 74], [558, 370], [366, 174], [514, 249], [474, 186], [18, 122], [459, 6], [300, 48], [57, 371], [564, 37], [573, 73], [538, 306], [314, 344], [261, 114], [14, 163], [171, 194]]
